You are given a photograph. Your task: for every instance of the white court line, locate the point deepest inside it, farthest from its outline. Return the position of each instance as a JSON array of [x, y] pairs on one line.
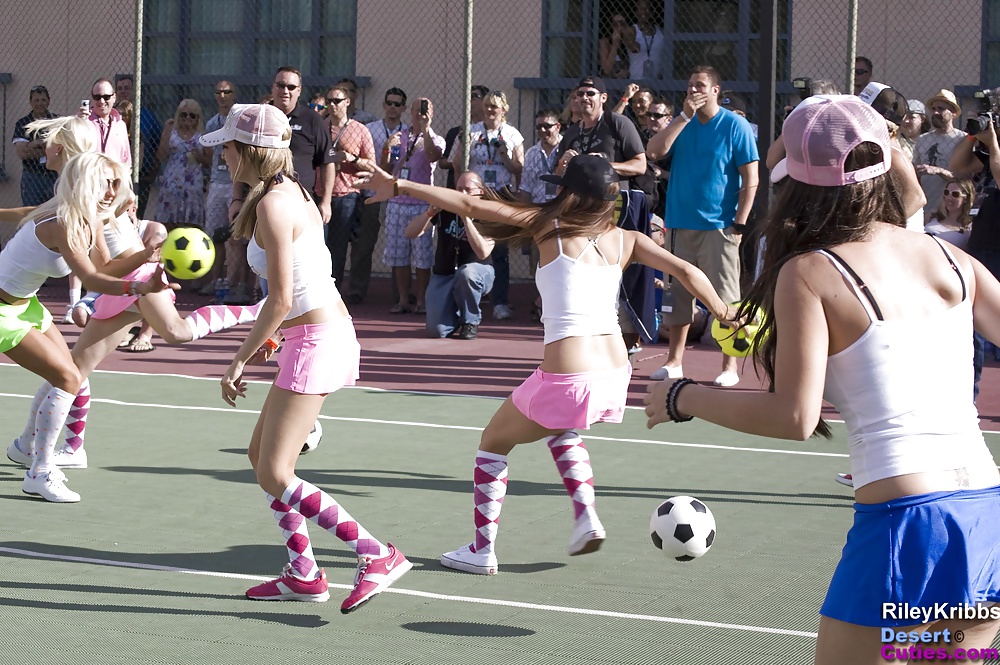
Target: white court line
[[425, 594], [466, 428]]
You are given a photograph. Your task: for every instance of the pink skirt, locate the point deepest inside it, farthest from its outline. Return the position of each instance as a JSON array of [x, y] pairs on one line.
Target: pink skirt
[[108, 306], [320, 358], [574, 401]]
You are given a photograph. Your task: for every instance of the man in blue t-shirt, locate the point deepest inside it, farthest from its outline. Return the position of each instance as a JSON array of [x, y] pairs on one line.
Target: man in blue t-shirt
[[713, 181]]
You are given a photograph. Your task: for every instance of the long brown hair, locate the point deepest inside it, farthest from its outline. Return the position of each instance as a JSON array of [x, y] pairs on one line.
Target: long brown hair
[[806, 218], [578, 215], [268, 162]]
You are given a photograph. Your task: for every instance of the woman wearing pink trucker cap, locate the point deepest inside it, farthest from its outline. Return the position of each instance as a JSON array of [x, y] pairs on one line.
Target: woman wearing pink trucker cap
[[843, 287], [320, 356]]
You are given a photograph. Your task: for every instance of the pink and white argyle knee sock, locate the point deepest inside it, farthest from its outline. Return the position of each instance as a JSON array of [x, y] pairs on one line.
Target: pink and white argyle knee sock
[[490, 481], [318, 506], [573, 462], [48, 423], [293, 529], [26, 442], [212, 318], [76, 421]]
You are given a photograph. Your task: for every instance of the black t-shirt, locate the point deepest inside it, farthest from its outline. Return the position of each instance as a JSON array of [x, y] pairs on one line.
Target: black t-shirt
[[310, 144], [614, 136], [449, 144], [985, 233], [31, 165], [453, 249]]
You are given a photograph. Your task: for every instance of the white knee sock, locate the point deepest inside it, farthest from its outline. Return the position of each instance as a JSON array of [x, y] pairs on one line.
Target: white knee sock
[[48, 423]]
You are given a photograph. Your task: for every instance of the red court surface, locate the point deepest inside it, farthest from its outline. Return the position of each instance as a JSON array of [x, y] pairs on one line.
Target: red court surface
[[398, 355]]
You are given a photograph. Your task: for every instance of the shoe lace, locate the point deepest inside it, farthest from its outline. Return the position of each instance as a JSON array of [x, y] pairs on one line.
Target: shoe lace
[[57, 475], [363, 563]]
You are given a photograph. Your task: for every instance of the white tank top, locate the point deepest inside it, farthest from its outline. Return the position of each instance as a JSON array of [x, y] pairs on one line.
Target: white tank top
[[312, 284], [122, 236], [580, 299], [25, 263], [905, 415]]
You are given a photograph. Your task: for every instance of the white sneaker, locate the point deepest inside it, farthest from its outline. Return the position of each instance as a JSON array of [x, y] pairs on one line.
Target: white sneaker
[[588, 536], [466, 560], [845, 479], [68, 317], [69, 459], [18, 456], [50, 486], [667, 373], [501, 312], [727, 379]]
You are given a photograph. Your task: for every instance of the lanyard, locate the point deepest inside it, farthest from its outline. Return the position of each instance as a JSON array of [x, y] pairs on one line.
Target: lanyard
[[547, 159], [485, 138], [104, 136], [411, 143], [343, 128], [648, 42]]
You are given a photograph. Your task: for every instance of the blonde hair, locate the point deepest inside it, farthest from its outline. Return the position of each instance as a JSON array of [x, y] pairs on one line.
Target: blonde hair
[[79, 190], [268, 162], [126, 111], [187, 105], [964, 214], [76, 135], [497, 98]]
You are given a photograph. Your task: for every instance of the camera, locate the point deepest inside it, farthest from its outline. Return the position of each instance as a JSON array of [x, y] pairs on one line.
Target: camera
[[986, 105], [804, 87]]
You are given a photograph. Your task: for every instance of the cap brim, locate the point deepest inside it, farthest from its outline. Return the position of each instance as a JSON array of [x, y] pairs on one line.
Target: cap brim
[[779, 172], [551, 177], [218, 137]]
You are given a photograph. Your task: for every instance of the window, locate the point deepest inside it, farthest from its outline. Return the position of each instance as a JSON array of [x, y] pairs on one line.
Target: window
[[189, 44], [579, 37], [991, 44]]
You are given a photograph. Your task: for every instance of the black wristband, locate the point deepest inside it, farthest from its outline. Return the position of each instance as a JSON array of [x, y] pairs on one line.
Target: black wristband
[[672, 394]]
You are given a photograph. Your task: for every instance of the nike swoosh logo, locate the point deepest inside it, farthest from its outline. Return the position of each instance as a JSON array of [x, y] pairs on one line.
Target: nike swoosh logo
[[389, 567]]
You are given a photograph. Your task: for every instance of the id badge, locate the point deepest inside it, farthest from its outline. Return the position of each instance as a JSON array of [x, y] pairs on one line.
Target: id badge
[[647, 69], [550, 190], [490, 178], [404, 173], [222, 167]]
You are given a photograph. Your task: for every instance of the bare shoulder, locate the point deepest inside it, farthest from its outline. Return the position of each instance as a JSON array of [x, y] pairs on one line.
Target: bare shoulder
[[808, 270]]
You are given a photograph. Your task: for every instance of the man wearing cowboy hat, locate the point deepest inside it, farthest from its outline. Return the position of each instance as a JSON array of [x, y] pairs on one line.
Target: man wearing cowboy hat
[[932, 150]]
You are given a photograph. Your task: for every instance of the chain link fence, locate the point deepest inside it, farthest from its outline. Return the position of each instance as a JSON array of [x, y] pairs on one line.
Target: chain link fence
[[534, 51]]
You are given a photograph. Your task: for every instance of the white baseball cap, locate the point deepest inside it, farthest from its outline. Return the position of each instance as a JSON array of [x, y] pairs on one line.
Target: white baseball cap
[[261, 125]]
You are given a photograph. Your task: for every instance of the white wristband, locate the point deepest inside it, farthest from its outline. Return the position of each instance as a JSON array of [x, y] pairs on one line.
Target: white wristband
[[684, 117]]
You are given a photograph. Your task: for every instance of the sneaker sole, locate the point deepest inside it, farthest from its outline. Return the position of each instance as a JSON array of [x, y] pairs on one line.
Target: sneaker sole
[[18, 462], [71, 465], [844, 481], [591, 545], [301, 597], [393, 575], [455, 564], [52, 500]]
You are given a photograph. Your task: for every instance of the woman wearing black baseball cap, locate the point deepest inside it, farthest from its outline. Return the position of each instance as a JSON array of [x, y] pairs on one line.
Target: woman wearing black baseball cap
[[585, 372]]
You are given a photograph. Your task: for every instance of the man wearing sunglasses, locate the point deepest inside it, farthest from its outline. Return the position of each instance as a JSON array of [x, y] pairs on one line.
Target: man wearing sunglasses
[[862, 73], [111, 132], [311, 150], [36, 180], [476, 95], [353, 151], [373, 214]]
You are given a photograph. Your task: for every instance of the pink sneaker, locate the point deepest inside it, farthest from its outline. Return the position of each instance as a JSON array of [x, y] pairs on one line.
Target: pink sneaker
[[374, 576], [289, 587]]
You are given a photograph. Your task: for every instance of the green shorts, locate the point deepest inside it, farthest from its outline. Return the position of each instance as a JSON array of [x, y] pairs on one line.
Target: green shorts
[[16, 321]]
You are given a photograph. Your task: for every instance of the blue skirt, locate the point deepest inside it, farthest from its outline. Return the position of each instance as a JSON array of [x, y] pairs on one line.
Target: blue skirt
[[916, 552]]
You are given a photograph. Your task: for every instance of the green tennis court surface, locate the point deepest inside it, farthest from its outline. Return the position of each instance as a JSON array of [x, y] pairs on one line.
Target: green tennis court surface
[[151, 566]]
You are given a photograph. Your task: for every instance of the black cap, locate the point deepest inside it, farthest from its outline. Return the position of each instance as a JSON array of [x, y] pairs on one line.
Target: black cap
[[592, 82], [587, 175], [732, 101]]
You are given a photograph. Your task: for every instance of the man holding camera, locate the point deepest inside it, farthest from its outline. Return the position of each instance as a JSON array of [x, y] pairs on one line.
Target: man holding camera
[[933, 150]]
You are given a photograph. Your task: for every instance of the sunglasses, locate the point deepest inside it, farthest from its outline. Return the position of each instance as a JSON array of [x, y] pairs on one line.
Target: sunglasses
[[336, 101], [861, 72], [586, 93], [223, 92], [657, 116], [114, 184], [397, 105], [317, 107], [184, 115], [287, 86], [40, 88], [106, 98], [954, 193], [546, 125]]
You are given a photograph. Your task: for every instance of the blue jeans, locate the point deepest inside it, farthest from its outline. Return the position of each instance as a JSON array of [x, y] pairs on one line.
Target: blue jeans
[[340, 231], [37, 188], [454, 299], [501, 265]]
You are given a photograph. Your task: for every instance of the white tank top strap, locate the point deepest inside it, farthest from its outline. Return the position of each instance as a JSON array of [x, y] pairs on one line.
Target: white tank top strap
[[555, 223], [859, 287]]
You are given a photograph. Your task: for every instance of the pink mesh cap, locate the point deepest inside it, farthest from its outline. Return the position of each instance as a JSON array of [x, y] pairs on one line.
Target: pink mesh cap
[[823, 130], [254, 124]]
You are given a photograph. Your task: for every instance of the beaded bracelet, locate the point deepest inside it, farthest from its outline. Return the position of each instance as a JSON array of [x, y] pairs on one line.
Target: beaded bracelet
[[672, 394]]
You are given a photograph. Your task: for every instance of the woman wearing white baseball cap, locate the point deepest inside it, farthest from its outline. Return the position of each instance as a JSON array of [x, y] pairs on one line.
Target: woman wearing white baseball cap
[[321, 355], [846, 285]]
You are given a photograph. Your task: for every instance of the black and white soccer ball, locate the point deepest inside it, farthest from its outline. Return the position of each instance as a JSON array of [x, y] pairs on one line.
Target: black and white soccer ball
[[683, 528], [312, 441]]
